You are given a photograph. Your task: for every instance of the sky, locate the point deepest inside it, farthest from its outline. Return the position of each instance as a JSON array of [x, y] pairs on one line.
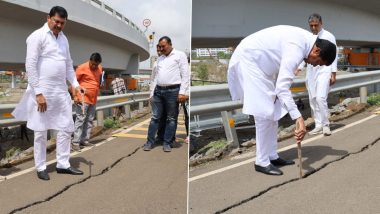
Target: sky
[[168, 18]]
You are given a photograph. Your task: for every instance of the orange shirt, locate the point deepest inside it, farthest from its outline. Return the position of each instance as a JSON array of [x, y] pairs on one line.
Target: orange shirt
[[90, 80]]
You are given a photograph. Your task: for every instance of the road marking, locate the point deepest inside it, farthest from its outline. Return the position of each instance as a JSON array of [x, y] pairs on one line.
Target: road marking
[[141, 129], [194, 178], [139, 136], [146, 129], [4, 178]]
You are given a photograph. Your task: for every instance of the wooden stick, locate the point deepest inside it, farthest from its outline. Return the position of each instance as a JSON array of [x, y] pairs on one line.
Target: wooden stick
[[299, 154], [82, 102], [300, 158]]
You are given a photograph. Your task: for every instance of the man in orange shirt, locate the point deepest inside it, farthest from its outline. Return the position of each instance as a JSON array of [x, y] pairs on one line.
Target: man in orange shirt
[[88, 75]]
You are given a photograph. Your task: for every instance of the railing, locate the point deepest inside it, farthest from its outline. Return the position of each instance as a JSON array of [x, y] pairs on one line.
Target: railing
[[104, 103], [101, 5], [215, 100]]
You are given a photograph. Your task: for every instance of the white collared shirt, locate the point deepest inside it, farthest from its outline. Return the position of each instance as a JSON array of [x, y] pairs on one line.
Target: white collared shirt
[[171, 70], [48, 61]]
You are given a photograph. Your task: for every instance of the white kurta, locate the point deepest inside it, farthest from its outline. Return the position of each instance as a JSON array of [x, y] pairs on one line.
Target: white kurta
[[48, 66], [320, 75], [261, 70], [318, 85]]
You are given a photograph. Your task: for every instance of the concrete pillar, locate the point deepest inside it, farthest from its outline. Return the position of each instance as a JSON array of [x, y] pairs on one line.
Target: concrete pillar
[[141, 106], [127, 111], [133, 64], [13, 81], [229, 129], [363, 94], [100, 117]]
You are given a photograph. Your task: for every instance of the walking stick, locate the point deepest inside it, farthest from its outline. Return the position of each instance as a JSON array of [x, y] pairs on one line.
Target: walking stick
[[299, 154], [82, 94]]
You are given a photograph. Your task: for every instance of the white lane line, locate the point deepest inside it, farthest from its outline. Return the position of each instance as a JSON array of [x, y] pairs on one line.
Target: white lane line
[[3, 178], [280, 150]]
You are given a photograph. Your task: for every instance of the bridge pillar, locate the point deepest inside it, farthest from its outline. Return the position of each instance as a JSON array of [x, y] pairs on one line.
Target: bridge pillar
[[229, 128], [100, 117], [133, 64], [363, 94], [127, 111]]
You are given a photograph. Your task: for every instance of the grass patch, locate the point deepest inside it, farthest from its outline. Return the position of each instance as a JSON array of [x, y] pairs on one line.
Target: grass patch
[[374, 99], [214, 145], [110, 123], [11, 152]]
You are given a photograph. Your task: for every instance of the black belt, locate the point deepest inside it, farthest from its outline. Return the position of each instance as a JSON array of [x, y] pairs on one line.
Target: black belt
[[169, 86]]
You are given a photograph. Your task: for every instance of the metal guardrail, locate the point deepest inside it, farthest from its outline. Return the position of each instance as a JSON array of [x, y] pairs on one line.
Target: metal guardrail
[[214, 101], [204, 99], [104, 102], [101, 5]]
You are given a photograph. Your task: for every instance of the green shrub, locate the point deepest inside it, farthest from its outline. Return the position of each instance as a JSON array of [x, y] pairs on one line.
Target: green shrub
[[110, 123], [374, 99], [11, 152], [202, 72]]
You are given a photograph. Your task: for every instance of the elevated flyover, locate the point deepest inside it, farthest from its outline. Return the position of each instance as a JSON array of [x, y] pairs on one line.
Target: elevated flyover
[[223, 23], [92, 27]]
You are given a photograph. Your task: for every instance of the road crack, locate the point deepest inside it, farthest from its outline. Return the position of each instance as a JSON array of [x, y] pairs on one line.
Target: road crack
[[307, 174], [76, 183]]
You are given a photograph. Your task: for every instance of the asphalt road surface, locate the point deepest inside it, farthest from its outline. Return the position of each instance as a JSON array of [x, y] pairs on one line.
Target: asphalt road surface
[[119, 177], [342, 176]]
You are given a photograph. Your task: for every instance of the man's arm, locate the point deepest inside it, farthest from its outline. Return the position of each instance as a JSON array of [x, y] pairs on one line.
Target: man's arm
[[284, 81], [33, 52], [333, 78], [334, 65], [185, 76], [153, 80], [70, 73]]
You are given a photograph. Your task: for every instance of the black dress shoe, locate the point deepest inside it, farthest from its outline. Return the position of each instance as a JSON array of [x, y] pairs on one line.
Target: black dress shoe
[[269, 170], [70, 170], [281, 162], [43, 175]]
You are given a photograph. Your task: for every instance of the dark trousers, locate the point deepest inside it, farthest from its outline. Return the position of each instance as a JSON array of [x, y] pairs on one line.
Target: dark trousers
[[164, 100]]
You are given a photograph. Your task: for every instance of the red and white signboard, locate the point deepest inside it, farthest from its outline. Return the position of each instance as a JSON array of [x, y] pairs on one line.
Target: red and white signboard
[[146, 22]]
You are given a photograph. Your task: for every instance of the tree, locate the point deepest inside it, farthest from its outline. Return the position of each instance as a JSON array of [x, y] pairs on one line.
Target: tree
[[221, 55], [202, 72]]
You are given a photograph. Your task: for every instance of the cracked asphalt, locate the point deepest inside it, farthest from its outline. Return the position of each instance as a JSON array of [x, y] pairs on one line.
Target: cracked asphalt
[[119, 177], [342, 176]]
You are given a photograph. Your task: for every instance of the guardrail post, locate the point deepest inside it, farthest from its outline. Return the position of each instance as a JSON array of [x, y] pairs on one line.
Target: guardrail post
[[363, 94], [229, 128], [100, 117], [127, 111], [141, 106]]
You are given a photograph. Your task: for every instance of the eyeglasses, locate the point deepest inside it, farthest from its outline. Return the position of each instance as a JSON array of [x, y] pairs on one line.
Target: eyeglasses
[[57, 21]]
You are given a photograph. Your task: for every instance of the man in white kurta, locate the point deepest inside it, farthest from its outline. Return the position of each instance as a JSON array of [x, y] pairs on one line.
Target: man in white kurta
[[318, 81], [46, 103], [260, 73]]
